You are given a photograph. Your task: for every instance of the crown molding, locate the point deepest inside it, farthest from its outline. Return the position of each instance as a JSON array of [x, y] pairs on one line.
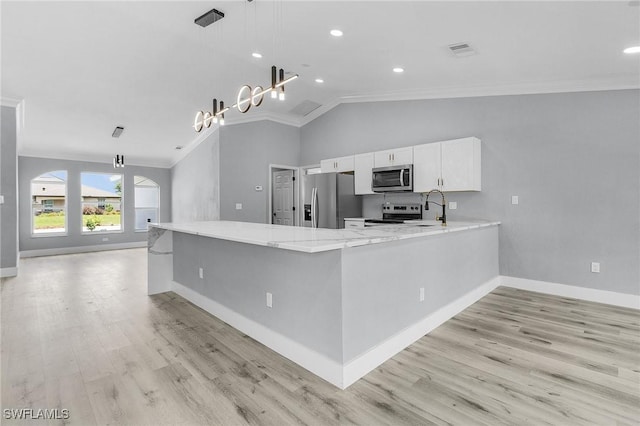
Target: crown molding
[[163, 164], [186, 149], [10, 102]]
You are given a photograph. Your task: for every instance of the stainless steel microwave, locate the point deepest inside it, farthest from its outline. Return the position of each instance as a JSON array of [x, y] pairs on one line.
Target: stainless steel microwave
[[392, 178]]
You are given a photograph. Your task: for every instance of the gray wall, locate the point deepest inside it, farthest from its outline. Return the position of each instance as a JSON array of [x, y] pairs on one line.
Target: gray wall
[[195, 183], [246, 151], [8, 188], [31, 167], [306, 306], [572, 158], [372, 314]]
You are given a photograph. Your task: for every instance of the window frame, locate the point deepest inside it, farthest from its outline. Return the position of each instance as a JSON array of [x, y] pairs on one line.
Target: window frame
[[104, 231], [66, 209]]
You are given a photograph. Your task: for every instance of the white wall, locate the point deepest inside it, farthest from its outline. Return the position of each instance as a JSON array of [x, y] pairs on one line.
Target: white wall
[[195, 183]]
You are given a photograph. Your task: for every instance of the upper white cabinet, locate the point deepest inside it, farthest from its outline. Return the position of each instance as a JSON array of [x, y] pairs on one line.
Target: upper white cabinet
[[453, 165], [362, 174], [393, 157], [341, 164]]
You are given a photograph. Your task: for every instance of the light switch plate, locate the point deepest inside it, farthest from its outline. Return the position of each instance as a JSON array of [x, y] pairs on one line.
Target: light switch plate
[[515, 199], [453, 205], [238, 206], [269, 300], [1, 199], [595, 267]]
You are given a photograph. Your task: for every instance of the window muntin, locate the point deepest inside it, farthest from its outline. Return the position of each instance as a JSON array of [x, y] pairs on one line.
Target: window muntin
[[147, 202], [49, 204], [101, 202]]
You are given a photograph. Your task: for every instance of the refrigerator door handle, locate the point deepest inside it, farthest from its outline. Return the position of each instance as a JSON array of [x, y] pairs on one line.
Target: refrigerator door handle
[[314, 220], [316, 212]]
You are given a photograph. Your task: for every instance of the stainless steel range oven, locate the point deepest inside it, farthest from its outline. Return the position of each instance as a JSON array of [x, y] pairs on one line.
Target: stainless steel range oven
[[397, 213]]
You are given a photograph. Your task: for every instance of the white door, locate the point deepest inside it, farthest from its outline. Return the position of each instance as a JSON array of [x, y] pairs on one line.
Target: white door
[[402, 156], [460, 165], [363, 163], [283, 198], [426, 167]]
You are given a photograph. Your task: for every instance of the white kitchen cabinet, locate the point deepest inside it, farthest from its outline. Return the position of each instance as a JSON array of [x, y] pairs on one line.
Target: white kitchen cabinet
[[341, 164], [363, 164], [393, 157], [453, 165]]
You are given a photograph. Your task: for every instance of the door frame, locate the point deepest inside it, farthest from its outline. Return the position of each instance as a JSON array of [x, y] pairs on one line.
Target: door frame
[[296, 191]]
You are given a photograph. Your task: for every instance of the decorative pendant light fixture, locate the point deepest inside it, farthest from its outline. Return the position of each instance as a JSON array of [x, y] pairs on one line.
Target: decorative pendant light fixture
[[246, 96]]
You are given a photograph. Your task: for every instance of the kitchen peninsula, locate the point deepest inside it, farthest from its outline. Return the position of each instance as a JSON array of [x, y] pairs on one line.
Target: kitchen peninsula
[[338, 302]]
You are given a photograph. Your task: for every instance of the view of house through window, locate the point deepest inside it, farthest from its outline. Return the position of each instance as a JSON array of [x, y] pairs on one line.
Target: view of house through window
[[101, 202], [49, 203], [147, 202]]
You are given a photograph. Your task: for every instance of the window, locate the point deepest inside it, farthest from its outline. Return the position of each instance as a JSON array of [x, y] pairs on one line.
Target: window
[[49, 203], [147, 202], [101, 202]]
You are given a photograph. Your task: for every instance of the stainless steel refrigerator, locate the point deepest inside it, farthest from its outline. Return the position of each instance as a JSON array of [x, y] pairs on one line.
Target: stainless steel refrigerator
[[328, 199]]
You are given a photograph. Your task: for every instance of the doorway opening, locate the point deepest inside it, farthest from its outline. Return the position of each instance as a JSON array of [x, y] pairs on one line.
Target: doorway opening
[[283, 199]]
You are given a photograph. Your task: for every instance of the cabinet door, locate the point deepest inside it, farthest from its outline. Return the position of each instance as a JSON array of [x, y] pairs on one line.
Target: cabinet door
[[344, 164], [461, 165], [426, 167], [382, 158], [328, 166], [402, 156], [363, 163]]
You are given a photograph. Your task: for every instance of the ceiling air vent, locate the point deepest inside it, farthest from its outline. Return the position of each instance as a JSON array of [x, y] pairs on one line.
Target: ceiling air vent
[[305, 108], [461, 49]]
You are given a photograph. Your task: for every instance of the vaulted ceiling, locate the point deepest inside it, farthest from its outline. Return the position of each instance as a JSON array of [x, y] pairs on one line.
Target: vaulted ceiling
[[83, 68]]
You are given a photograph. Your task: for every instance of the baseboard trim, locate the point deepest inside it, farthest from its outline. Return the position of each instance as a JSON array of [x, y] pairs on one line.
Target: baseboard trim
[[318, 364], [575, 292], [363, 364], [81, 249], [8, 272]]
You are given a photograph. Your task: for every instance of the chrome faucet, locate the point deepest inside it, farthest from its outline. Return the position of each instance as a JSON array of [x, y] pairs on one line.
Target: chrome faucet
[[442, 218]]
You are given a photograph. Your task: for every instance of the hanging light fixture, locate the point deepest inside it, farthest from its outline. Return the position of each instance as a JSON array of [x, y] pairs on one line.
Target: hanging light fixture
[[246, 96], [118, 161]]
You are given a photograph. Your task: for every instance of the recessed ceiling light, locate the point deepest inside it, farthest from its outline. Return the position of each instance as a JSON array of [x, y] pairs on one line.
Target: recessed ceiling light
[[256, 55], [336, 33], [319, 80], [633, 49], [398, 69]]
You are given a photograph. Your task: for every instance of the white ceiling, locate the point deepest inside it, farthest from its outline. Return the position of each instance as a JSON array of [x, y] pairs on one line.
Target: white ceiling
[[83, 68]]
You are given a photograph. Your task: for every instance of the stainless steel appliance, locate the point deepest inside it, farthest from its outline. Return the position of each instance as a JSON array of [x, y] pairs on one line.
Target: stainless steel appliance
[[328, 199], [392, 178], [396, 213]]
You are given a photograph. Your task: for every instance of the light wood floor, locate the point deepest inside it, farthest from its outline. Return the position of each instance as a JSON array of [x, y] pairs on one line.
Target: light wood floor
[[79, 332]]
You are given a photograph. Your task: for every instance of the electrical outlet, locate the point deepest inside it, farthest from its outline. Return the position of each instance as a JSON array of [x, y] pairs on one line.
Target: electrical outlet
[[105, 239], [422, 294], [269, 300], [515, 200], [238, 206], [453, 205], [595, 267], [201, 273]]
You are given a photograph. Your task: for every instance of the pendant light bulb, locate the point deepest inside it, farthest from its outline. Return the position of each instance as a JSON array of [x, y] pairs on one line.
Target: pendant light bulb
[[281, 96], [274, 94], [222, 120]]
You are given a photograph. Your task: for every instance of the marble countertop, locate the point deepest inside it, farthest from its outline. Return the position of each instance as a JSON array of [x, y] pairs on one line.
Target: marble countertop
[[310, 240]]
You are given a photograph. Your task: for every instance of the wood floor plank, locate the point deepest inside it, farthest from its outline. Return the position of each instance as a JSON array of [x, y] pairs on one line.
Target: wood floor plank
[[79, 332]]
